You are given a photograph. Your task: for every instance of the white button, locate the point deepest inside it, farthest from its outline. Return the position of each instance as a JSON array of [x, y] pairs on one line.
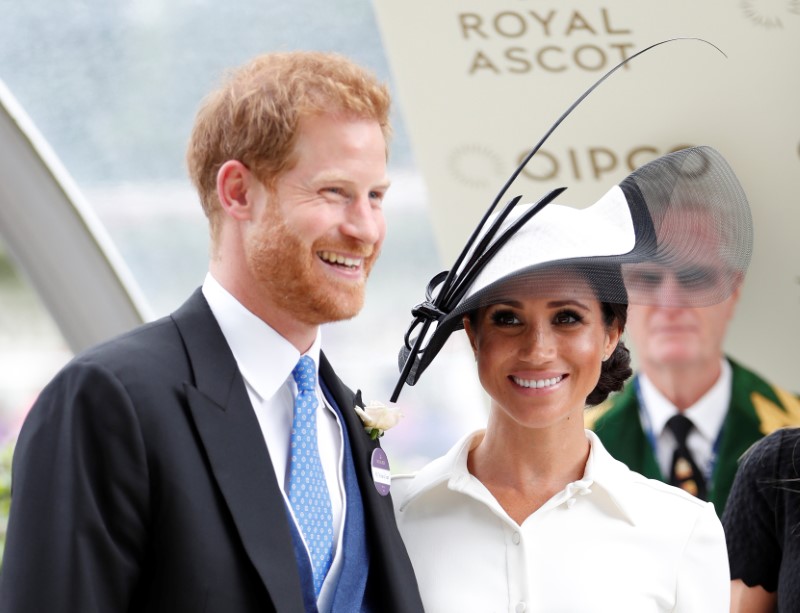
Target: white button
[[521, 607], [516, 538]]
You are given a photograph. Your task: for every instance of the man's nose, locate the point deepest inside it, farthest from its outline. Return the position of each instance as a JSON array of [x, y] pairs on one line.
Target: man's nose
[[671, 293], [364, 221]]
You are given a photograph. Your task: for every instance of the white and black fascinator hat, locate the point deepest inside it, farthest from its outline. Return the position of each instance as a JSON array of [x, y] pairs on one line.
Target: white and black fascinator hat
[[675, 232]]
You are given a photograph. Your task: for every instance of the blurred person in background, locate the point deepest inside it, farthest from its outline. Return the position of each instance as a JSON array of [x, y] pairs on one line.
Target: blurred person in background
[[212, 460], [691, 411]]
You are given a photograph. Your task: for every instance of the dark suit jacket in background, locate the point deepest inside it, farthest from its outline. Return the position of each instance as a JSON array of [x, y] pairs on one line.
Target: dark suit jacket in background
[[757, 408], [142, 482]]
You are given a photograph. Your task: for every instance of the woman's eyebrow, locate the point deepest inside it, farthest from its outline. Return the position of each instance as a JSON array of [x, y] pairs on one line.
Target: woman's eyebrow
[[568, 302], [554, 304]]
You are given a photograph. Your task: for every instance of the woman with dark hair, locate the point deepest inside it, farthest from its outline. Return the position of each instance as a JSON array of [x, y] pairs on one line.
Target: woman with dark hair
[[762, 525], [532, 513]]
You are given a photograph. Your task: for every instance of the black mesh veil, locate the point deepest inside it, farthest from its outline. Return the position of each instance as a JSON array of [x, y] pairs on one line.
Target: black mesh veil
[[702, 227], [675, 232]]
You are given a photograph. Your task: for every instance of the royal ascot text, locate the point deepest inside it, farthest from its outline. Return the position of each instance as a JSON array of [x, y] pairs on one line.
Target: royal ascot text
[[553, 41]]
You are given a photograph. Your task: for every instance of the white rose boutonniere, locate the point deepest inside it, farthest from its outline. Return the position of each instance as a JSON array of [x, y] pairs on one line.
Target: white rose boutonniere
[[378, 418]]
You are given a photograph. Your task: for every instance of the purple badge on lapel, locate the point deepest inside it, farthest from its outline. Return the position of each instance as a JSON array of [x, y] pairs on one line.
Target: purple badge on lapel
[[380, 471]]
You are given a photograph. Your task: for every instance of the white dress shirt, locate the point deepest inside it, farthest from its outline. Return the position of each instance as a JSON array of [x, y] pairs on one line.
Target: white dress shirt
[[707, 415], [266, 360], [612, 542]]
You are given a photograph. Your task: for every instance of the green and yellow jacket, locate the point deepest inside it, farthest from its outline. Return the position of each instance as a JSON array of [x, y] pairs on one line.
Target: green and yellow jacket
[[757, 408]]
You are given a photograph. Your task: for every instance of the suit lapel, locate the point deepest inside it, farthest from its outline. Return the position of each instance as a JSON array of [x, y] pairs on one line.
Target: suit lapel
[[621, 432], [740, 429], [360, 443], [391, 584], [237, 453]]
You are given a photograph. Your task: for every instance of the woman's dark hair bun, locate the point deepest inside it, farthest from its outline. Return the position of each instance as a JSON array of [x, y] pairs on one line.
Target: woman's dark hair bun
[[615, 372]]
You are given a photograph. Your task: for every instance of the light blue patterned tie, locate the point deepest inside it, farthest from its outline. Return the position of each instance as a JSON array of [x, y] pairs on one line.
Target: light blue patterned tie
[[308, 491]]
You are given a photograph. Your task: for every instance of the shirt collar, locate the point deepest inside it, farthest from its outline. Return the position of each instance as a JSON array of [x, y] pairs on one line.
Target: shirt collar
[[612, 476], [450, 469], [264, 357], [602, 471], [707, 414]]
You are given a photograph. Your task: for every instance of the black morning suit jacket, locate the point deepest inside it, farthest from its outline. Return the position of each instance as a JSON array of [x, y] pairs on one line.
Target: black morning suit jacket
[[142, 482]]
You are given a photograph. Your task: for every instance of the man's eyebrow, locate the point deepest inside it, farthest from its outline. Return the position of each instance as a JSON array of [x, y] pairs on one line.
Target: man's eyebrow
[[334, 176]]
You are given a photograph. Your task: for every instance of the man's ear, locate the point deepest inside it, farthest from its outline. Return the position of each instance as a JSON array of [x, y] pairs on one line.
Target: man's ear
[[737, 291], [234, 180]]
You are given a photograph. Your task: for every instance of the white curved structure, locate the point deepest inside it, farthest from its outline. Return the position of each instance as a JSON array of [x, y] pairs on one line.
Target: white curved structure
[[56, 239]]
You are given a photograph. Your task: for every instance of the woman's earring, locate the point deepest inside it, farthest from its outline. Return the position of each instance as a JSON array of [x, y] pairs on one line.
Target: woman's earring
[[605, 357]]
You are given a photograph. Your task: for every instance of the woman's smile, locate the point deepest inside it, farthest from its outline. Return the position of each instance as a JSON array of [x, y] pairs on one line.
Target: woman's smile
[[537, 383]]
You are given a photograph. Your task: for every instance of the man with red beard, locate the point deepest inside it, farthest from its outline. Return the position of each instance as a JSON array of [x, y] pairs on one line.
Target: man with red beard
[[212, 460]]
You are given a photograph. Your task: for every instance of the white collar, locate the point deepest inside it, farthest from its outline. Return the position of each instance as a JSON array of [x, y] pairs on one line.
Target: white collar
[[265, 358], [602, 470], [707, 414]]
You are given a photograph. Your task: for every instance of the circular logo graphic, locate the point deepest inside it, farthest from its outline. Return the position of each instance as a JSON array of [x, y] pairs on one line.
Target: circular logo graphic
[[475, 165], [770, 13]]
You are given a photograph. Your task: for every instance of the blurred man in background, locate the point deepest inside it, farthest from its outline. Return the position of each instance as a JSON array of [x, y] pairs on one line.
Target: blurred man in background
[[690, 412]]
